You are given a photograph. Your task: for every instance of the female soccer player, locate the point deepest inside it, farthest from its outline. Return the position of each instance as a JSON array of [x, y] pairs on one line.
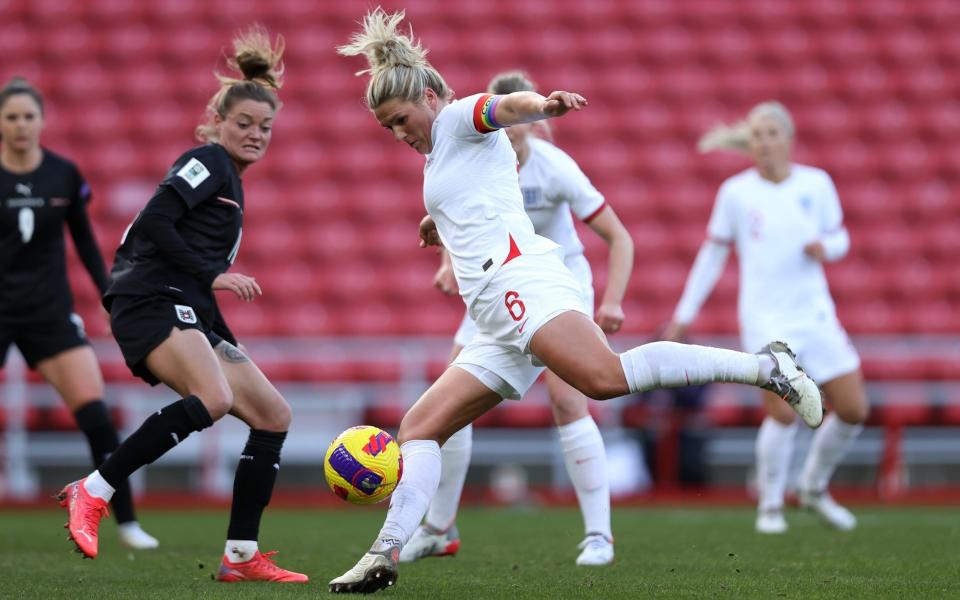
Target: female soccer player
[[40, 192], [168, 326], [784, 220], [552, 186], [527, 305]]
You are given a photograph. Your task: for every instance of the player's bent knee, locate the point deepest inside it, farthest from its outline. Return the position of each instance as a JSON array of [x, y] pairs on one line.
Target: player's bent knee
[[603, 383], [217, 399], [281, 415]]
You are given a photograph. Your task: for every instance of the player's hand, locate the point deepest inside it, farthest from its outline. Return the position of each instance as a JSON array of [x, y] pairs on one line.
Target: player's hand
[[428, 233], [558, 104], [445, 281], [815, 250], [674, 332], [246, 288], [609, 317]]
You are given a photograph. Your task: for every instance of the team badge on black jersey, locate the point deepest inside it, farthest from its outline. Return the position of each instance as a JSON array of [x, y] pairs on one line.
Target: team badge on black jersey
[[186, 314]]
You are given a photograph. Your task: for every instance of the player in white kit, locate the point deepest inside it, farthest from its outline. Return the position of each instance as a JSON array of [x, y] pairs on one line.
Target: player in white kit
[[527, 305], [784, 219], [553, 186]]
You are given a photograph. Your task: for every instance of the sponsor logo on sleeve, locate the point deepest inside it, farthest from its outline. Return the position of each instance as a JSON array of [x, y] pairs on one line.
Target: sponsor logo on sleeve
[[194, 173], [186, 314]]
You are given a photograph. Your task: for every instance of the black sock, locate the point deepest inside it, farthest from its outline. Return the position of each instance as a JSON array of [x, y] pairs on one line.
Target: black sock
[[161, 431], [93, 419], [253, 483]]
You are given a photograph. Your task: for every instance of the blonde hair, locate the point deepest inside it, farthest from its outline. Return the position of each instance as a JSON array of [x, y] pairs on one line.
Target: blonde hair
[[511, 81], [259, 62], [397, 62], [737, 136]]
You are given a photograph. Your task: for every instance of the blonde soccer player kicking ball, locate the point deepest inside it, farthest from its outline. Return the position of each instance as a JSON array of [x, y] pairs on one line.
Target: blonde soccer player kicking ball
[[785, 221], [554, 188], [527, 305]]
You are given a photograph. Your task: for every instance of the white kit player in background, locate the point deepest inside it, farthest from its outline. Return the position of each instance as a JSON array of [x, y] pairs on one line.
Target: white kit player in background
[[785, 221], [553, 186], [526, 303]]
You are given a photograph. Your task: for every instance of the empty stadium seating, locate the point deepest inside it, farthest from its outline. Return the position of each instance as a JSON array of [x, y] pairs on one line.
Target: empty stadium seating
[[333, 209]]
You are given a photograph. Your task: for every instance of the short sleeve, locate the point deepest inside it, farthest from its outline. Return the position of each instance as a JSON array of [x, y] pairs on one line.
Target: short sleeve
[[585, 201], [723, 224], [198, 174], [831, 214], [474, 115]]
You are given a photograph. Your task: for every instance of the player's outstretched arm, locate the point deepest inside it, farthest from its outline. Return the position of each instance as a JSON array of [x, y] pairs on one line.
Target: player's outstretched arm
[[526, 107]]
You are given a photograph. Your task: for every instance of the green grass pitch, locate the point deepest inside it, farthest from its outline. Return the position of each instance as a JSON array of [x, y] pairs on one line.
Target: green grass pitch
[[664, 553]]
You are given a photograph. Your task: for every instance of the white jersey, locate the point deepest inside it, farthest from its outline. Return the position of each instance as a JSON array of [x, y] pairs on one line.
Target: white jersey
[[471, 190], [553, 185], [769, 224]]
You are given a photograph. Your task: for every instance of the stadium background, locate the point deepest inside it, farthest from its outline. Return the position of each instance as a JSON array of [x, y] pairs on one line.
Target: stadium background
[[349, 326]]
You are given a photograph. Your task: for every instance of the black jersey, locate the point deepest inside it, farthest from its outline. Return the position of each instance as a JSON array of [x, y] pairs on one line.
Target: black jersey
[[33, 210], [187, 234]]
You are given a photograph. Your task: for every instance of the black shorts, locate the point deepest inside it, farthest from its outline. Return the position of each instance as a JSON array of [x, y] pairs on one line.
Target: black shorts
[[40, 337], [141, 323]]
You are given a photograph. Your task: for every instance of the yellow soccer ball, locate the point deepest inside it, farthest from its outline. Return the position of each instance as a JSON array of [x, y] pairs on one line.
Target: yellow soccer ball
[[363, 465]]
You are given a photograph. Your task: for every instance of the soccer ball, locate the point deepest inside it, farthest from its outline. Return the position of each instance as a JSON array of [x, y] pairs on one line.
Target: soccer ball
[[363, 465]]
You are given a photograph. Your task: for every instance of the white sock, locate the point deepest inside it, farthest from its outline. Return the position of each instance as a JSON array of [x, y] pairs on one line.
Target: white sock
[[586, 460], [421, 475], [830, 444], [669, 364], [774, 451], [98, 487], [238, 551], [455, 455]]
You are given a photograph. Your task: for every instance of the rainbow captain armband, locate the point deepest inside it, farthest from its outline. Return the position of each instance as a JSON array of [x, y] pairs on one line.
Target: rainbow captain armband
[[483, 113]]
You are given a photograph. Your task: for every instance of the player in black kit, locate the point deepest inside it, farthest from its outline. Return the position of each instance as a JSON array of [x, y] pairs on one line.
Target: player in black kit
[[168, 326], [39, 192]]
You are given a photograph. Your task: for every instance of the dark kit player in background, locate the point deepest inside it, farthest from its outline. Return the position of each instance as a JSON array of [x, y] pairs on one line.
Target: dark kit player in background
[[40, 192]]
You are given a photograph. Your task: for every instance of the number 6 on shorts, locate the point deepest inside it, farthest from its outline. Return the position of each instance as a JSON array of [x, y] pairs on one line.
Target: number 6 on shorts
[[514, 305]]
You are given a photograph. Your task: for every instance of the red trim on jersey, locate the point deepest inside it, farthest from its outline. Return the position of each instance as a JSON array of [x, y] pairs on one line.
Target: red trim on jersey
[[478, 122], [228, 201], [514, 251], [595, 213]]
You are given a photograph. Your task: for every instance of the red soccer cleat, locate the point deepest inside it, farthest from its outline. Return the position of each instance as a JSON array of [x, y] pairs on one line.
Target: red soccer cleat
[[83, 516], [259, 568]]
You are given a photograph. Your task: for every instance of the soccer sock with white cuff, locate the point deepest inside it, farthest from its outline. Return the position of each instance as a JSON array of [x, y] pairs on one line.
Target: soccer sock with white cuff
[[586, 460], [830, 444], [93, 419], [455, 455], [669, 364], [157, 435], [421, 475], [252, 488], [774, 451]]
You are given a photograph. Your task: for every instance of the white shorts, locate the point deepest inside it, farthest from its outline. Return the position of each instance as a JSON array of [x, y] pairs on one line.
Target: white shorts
[[521, 298], [823, 350], [580, 268]]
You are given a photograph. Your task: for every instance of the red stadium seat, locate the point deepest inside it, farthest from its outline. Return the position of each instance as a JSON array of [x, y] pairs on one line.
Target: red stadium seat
[[872, 87]]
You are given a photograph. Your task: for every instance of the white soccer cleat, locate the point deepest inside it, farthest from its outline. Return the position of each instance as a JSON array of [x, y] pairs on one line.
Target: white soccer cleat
[[374, 572], [771, 522], [426, 541], [133, 536], [790, 382], [828, 510], [597, 550]]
